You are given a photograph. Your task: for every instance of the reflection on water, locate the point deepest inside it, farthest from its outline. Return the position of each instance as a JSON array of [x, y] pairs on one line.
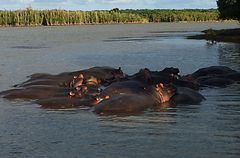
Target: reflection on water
[[207, 130], [229, 54]]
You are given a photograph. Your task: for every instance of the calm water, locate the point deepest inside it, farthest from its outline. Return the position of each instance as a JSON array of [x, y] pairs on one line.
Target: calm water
[[211, 129]]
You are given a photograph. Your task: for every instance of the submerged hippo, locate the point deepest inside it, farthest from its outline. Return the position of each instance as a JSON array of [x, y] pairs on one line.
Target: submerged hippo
[[215, 76], [124, 87], [131, 103], [166, 76], [35, 92], [102, 74], [186, 95], [215, 81], [212, 71], [64, 102]]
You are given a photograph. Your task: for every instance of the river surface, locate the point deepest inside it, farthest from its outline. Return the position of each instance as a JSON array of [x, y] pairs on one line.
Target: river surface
[[211, 129]]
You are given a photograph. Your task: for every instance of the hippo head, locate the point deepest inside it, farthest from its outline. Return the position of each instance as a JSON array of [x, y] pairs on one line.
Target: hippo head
[[164, 92], [171, 70], [118, 74], [144, 75]]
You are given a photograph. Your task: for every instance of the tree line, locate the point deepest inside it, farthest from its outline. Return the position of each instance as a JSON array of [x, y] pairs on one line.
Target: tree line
[[229, 9], [166, 15], [30, 17]]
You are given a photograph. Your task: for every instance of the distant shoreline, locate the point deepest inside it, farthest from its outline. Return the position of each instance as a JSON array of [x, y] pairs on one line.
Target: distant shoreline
[[57, 17], [20, 26], [92, 24], [225, 35]]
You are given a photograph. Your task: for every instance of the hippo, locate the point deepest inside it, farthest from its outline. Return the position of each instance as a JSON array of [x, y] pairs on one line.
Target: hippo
[[102, 74], [212, 71], [144, 75], [44, 82], [132, 103], [64, 103], [35, 92], [185, 96], [214, 76], [216, 81], [167, 76], [171, 71], [124, 87], [235, 76]]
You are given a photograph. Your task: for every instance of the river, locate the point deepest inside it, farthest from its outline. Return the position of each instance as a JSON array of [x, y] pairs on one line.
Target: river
[[211, 129]]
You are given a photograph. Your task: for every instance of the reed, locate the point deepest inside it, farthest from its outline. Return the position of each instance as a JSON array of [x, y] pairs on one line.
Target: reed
[[30, 17]]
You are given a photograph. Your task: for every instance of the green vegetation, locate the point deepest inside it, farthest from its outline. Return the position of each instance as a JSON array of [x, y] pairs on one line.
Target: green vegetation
[[229, 9], [165, 15], [229, 35], [30, 17]]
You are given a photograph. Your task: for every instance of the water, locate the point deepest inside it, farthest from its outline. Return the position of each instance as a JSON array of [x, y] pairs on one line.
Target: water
[[211, 129]]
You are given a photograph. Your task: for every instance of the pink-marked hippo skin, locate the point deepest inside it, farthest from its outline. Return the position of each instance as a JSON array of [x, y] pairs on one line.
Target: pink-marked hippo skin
[[185, 96], [133, 103]]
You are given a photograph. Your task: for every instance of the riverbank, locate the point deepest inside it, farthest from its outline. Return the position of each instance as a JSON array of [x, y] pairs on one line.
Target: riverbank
[[225, 35]]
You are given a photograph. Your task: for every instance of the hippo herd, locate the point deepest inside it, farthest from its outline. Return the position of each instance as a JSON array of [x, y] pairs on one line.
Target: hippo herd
[[110, 91]]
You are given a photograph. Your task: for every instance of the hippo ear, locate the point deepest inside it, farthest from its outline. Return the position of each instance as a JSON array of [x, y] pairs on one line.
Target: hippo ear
[[161, 85], [119, 69], [80, 76], [157, 87]]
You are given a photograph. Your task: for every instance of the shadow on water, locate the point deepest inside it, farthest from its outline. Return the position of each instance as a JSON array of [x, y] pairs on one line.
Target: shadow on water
[[28, 47], [152, 36]]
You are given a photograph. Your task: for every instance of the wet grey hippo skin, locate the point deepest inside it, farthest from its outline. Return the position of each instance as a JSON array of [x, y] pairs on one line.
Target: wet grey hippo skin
[[166, 76], [110, 91], [102, 74], [135, 102], [186, 95], [215, 76], [212, 70], [124, 87], [35, 92], [64, 102]]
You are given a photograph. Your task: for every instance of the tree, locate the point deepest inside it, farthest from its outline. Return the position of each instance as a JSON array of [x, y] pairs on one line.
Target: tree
[[229, 9]]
